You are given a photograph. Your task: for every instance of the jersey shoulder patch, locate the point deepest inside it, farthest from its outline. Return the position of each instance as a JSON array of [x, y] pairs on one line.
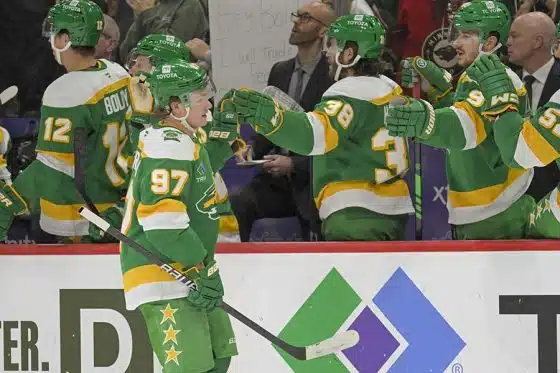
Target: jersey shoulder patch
[[167, 143], [85, 87], [377, 90]]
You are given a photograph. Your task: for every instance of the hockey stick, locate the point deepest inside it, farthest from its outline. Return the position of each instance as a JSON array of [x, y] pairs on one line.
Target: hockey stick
[[80, 158], [417, 176], [329, 346], [7, 94]]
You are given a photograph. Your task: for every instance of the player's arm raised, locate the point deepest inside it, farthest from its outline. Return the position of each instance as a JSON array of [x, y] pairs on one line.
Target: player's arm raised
[[465, 124], [523, 143], [435, 81], [313, 133], [165, 173]]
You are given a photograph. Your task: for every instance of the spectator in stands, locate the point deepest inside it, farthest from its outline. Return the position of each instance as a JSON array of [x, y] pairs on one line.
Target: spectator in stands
[[26, 56], [529, 42], [186, 19], [282, 188], [109, 39], [549, 7]]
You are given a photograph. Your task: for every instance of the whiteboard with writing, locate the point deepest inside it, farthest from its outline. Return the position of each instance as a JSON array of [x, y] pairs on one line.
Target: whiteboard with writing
[[247, 38]]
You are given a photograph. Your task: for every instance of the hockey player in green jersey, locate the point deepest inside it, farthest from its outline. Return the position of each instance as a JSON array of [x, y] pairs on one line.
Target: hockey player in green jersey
[[156, 49], [358, 167], [170, 210], [486, 198], [93, 97], [151, 51], [524, 143]]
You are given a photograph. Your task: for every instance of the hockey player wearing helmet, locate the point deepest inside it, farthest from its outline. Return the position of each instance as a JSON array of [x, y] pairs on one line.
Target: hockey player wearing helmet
[[524, 143], [91, 97], [486, 198], [171, 210], [358, 167], [154, 50]]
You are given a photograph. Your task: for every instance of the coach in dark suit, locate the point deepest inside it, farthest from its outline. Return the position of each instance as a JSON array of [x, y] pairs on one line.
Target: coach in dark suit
[[529, 43], [283, 187]]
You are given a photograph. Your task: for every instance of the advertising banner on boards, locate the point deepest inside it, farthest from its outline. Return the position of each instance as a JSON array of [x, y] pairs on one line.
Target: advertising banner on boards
[[434, 311]]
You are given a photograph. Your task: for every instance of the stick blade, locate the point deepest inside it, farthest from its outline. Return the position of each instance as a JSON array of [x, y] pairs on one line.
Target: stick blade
[[337, 343], [7, 94]]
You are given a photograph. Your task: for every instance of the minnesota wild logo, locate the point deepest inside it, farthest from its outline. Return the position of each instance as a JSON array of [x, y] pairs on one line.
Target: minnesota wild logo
[[207, 204], [171, 135]]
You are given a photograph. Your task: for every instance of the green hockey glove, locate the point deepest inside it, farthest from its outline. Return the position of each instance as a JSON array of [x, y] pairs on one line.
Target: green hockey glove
[[210, 288], [415, 119], [113, 215], [225, 123], [261, 111], [436, 82], [496, 86], [11, 204]]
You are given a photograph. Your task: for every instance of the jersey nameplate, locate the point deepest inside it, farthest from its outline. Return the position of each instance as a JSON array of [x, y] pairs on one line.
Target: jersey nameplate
[[116, 102]]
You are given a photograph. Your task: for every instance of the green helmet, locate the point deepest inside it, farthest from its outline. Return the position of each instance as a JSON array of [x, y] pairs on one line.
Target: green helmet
[[484, 17], [177, 79], [81, 19], [364, 30], [160, 49]]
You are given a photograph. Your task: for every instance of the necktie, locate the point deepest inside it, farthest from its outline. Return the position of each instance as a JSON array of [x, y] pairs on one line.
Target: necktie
[[299, 84], [529, 80]]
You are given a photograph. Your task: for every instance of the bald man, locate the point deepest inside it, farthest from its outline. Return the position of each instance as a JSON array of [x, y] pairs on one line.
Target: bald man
[[529, 46], [282, 188], [109, 39]]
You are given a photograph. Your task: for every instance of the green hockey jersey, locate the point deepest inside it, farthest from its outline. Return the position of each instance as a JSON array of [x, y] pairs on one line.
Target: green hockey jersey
[[534, 142], [481, 185], [356, 162], [95, 99], [170, 210]]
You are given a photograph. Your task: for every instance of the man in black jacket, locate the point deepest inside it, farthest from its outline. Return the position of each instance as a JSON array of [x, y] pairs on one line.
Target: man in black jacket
[[282, 188]]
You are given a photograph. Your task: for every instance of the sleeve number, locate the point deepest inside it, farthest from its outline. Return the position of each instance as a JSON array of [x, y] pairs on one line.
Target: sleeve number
[[344, 112], [161, 181], [396, 158], [549, 120], [114, 139], [56, 130], [476, 98]]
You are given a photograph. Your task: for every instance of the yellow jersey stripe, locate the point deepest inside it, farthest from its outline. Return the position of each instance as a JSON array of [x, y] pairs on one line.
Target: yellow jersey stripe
[[325, 137], [67, 158], [164, 205], [99, 95], [146, 274], [542, 149], [67, 212], [396, 189], [483, 196], [476, 120]]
